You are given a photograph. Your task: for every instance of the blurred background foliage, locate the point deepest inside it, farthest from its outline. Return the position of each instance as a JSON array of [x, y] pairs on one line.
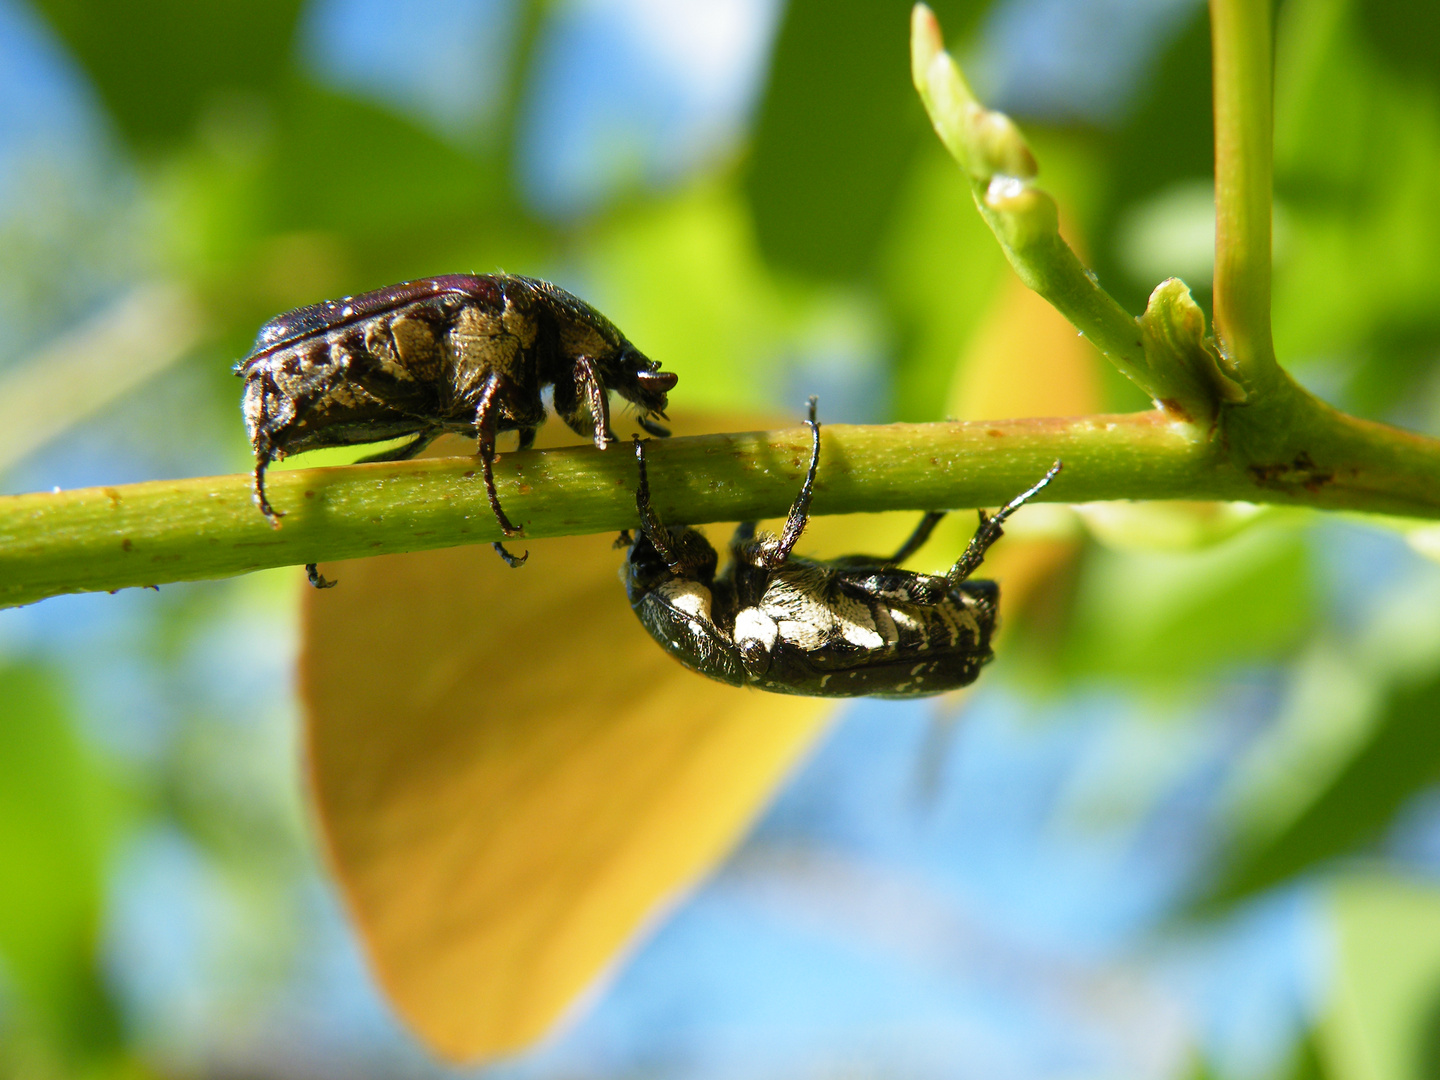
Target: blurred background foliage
[[1189, 825]]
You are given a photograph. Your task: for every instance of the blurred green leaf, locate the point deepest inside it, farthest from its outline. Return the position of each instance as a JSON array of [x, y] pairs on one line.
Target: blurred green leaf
[[1168, 526], [1400, 758], [940, 268], [356, 169], [1163, 618], [1382, 1019], [1407, 35], [1165, 141], [1357, 139], [377, 185], [323, 195], [58, 814], [158, 65], [836, 129], [1307, 1063], [685, 281]]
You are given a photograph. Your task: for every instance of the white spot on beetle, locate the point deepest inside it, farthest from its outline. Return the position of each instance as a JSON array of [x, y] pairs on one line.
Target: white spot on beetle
[[752, 624], [691, 600], [885, 624], [809, 617], [688, 597], [957, 619], [791, 604], [904, 620], [860, 634]]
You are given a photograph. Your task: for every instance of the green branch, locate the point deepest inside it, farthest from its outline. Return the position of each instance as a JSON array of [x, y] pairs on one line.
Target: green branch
[[1241, 44], [149, 534], [1231, 424], [1024, 219], [1234, 396], [1165, 352]]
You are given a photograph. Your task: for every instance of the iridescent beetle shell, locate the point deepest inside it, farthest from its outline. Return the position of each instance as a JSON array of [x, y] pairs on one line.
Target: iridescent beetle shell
[[464, 353], [848, 627]]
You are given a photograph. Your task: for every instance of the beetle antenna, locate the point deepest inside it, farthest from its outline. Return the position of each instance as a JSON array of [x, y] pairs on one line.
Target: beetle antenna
[[990, 530]]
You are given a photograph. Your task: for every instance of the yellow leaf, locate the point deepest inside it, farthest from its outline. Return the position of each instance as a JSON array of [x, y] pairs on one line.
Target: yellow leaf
[[512, 778], [1025, 360]]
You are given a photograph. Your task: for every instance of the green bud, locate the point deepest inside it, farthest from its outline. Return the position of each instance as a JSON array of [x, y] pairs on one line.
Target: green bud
[[1189, 375]]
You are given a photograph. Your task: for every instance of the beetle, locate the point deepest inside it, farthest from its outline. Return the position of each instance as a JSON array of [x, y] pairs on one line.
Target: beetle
[[850, 627], [466, 353]]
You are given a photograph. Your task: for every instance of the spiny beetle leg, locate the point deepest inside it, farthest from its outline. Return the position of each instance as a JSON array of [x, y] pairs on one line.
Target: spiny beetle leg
[[512, 561], [317, 579], [990, 530], [800, 509]]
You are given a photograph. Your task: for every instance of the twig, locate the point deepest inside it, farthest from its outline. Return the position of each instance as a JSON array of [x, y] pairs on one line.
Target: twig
[[1241, 44], [149, 534]]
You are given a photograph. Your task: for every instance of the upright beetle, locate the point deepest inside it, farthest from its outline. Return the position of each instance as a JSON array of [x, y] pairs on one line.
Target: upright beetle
[[467, 353], [855, 626]]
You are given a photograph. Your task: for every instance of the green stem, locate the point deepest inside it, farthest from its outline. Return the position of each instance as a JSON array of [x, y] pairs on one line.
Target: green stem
[[1241, 44], [1236, 399], [1024, 219], [1257, 436], [149, 534], [1026, 222]]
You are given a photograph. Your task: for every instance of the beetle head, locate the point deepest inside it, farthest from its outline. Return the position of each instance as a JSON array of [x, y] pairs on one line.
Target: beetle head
[[639, 379]]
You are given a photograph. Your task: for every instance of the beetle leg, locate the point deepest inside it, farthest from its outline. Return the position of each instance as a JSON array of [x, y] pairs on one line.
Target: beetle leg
[[649, 425], [599, 401], [650, 523], [512, 561], [917, 538], [748, 571], [990, 530], [800, 509], [263, 407], [485, 429], [319, 580], [262, 461], [744, 549], [527, 438], [892, 585]]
